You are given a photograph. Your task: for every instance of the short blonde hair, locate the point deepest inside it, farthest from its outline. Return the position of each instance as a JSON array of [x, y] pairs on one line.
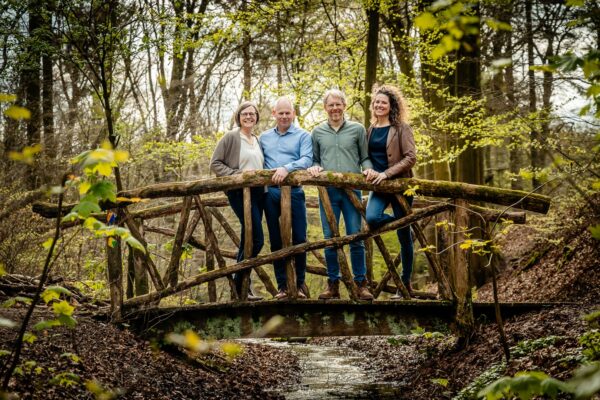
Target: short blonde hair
[[334, 93]]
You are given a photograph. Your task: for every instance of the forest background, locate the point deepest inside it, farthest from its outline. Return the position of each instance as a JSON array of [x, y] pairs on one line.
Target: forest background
[[500, 92]]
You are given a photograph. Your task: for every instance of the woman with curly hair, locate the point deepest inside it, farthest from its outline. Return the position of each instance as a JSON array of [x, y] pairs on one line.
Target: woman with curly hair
[[393, 154]]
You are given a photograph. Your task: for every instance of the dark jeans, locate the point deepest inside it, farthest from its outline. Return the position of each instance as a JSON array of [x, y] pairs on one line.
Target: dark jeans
[[341, 204], [236, 201], [299, 225], [376, 217]]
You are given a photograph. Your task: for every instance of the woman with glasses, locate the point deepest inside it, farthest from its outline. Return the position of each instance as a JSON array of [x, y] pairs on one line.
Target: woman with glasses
[[393, 154], [236, 152]]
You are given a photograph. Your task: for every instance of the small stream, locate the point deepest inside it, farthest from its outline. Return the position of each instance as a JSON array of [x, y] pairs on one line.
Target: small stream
[[331, 373]]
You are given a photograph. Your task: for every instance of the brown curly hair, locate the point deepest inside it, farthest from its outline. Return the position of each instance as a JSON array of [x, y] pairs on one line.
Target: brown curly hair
[[398, 109]]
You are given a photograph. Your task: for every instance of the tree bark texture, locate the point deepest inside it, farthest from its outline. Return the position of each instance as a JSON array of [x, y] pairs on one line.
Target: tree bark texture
[[456, 190]]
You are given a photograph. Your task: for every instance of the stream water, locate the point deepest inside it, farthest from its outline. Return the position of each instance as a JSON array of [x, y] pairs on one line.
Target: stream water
[[332, 373]]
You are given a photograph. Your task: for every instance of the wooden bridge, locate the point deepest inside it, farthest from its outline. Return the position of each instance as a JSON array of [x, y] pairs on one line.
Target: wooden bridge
[[437, 201]]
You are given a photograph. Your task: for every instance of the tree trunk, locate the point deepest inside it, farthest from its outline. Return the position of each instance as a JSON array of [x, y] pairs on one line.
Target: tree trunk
[[535, 135], [30, 75], [397, 20], [48, 88], [372, 57]]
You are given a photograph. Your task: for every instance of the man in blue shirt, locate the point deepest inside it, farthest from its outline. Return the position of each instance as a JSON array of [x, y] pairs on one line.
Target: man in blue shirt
[[286, 148]]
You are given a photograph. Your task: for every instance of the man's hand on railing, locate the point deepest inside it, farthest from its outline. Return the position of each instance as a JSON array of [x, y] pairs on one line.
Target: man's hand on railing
[[279, 175], [314, 171]]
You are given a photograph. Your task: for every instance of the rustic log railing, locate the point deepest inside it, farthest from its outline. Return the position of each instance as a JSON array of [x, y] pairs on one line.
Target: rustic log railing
[[451, 270]]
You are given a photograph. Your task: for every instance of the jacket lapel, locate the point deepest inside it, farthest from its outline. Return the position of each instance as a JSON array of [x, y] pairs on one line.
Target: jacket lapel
[[393, 132]]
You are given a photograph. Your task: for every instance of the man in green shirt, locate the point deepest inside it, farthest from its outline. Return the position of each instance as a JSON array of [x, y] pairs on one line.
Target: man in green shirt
[[340, 145]]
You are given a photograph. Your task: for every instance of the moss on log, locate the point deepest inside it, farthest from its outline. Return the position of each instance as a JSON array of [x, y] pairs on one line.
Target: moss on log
[[456, 190]]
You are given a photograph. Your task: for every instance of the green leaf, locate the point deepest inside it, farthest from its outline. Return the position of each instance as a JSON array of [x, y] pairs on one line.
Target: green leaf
[[595, 231], [133, 242], [14, 300], [103, 168], [63, 308], [232, 350], [72, 356], [54, 292], [18, 113], [104, 190], [29, 338], [67, 320], [426, 21], [46, 324], [85, 208], [46, 245], [7, 98], [84, 187], [72, 216], [440, 381], [575, 3]]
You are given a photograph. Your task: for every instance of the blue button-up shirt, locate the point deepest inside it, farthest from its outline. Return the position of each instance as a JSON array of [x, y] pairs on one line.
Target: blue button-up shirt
[[292, 150]]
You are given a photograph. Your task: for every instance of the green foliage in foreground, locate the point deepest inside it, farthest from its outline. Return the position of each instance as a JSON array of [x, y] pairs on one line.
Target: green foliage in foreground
[[526, 385]]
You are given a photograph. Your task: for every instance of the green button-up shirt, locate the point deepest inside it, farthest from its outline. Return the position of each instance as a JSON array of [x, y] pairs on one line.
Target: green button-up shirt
[[343, 151]]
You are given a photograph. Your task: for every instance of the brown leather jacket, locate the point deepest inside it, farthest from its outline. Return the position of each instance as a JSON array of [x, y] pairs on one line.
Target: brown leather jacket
[[401, 151]]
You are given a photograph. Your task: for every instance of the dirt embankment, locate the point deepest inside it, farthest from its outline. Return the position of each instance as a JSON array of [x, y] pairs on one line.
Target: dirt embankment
[[543, 262], [60, 361]]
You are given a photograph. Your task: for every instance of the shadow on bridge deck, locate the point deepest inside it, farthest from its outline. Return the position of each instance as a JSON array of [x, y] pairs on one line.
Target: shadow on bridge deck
[[312, 318]]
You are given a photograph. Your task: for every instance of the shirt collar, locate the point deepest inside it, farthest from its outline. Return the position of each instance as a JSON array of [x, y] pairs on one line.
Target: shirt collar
[[291, 129], [339, 129]]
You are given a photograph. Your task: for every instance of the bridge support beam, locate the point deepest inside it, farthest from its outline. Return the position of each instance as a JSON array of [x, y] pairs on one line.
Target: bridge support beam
[[464, 323]]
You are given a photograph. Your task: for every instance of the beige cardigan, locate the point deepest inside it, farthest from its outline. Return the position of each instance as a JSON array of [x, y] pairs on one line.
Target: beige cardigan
[[226, 157]]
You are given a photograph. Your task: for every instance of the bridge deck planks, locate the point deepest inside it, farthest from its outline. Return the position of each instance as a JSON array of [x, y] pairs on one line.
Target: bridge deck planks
[[314, 317]]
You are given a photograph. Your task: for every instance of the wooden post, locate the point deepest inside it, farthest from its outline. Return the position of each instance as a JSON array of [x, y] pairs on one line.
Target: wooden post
[[335, 232], [115, 275], [460, 277], [369, 262], [289, 252], [148, 263], [285, 226], [443, 243], [215, 245], [248, 242], [226, 226], [260, 271], [172, 274], [445, 289], [210, 260]]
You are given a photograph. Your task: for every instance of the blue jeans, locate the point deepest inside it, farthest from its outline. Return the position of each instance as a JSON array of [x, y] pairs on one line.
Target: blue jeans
[[236, 201], [299, 225], [340, 203], [376, 217]]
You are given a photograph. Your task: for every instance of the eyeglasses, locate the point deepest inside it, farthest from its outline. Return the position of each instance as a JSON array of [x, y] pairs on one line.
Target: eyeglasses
[[247, 114]]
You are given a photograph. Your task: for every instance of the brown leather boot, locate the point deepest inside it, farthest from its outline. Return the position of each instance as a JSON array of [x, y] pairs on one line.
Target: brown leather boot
[[363, 291], [332, 292]]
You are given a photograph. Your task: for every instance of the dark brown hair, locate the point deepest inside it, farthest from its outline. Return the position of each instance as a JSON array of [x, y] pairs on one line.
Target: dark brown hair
[[398, 110], [242, 107]]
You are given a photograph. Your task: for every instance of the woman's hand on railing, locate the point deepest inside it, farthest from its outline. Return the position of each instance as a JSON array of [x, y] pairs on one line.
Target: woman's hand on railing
[[373, 176], [314, 171]]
